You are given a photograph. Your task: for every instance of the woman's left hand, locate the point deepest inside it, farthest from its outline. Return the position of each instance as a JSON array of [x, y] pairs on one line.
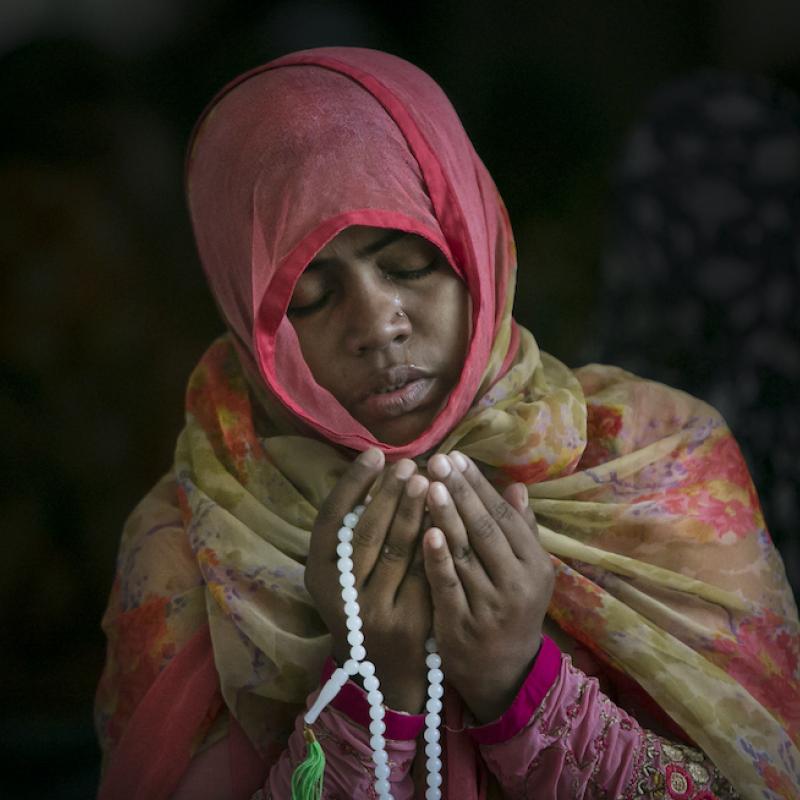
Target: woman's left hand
[[490, 582]]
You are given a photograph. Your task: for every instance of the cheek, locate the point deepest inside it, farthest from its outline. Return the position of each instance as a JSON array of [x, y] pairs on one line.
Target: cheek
[[316, 347], [450, 317]]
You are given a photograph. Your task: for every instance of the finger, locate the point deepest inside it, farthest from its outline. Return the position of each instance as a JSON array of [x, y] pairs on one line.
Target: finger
[[427, 522], [370, 534], [399, 547], [483, 522], [519, 536], [414, 591], [415, 576], [348, 492], [447, 592], [446, 517], [517, 496]]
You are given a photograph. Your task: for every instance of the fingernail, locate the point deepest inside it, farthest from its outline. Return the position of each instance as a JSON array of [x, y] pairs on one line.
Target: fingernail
[[371, 458], [417, 486], [459, 460], [405, 469], [439, 466], [439, 494], [435, 538]]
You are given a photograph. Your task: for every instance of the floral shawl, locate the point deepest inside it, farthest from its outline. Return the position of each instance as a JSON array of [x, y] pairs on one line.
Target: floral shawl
[[664, 567]]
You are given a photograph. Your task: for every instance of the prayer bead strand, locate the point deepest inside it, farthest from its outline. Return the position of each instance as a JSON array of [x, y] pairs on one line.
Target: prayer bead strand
[[358, 664], [433, 719]]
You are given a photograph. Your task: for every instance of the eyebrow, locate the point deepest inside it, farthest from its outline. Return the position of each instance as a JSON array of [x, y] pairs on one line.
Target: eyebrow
[[369, 250]]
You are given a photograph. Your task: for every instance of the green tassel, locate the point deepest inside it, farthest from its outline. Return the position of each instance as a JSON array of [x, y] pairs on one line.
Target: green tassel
[[309, 774]]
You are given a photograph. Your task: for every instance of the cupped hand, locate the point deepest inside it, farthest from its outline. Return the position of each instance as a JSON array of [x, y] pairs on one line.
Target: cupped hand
[[490, 582], [387, 564]]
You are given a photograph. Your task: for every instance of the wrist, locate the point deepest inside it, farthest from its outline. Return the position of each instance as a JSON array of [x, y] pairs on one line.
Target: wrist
[[540, 680], [352, 702], [488, 705], [489, 698], [409, 699], [407, 696]]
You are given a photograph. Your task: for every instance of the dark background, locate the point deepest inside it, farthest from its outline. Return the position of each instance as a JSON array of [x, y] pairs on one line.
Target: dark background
[[104, 310]]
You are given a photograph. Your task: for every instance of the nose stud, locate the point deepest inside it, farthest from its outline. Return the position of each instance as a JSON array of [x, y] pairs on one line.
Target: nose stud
[[399, 312]]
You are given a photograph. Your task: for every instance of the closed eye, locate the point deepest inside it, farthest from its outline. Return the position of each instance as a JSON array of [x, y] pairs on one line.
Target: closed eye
[[414, 274], [302, 311], [394, 274]]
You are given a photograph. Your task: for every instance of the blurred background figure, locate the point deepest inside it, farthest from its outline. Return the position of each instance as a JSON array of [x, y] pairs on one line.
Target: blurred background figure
[[700, 283], [104, 310]]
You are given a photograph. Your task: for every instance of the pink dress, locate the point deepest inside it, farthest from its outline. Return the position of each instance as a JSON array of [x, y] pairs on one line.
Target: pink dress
[[561, 738]]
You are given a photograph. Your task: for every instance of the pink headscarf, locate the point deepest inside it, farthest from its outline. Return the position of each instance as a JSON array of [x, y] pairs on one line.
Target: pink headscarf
[[291, 153]]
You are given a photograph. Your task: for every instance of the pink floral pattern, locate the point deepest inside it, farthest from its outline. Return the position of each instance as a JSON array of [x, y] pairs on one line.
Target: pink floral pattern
[[603, 425]]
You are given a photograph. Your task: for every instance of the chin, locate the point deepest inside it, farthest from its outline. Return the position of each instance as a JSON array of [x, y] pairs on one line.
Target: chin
[[401, 430]]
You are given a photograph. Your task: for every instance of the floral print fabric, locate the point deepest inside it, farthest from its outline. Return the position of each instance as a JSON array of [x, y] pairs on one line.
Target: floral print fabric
[[700, 282], [664, 567]]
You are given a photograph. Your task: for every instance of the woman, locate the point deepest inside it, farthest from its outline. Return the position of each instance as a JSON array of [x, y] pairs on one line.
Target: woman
[[364, 264]]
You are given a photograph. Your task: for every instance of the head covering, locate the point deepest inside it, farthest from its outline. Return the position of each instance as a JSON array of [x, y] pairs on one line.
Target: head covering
[[663, 565], [291, 153]]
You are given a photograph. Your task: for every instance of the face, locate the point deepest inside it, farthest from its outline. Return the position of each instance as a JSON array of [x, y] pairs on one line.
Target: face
[[383, 323]]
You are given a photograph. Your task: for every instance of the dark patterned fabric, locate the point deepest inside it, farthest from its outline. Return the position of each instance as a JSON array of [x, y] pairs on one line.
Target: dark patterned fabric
[[701, 276]]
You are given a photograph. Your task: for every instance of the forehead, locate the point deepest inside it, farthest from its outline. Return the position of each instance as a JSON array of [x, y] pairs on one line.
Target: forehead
[[362, 241]]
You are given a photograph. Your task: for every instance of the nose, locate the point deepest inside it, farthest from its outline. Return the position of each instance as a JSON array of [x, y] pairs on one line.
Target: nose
[[376, 320]]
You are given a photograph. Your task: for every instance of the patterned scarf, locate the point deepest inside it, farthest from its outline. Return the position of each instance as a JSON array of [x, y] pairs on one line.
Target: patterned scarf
[[664, 568]]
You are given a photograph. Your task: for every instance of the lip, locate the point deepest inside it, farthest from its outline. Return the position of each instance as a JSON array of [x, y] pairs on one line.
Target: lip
[[414, 390]]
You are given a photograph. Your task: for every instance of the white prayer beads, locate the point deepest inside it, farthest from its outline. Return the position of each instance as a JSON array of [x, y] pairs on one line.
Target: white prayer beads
[[358, 665], [432, 722]]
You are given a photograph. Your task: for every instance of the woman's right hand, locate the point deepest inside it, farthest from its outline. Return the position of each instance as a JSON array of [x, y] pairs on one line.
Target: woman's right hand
[[390, 578]]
